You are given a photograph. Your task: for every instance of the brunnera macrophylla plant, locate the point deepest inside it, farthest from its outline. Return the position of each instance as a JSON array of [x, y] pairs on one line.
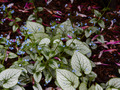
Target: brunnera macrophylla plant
[[57, 54]]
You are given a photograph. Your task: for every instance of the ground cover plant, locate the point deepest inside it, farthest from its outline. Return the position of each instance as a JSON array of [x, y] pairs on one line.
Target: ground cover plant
[[46, 47]]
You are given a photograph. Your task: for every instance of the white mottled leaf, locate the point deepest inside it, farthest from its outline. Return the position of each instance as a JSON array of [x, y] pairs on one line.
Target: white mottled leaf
[[80, 63], [115, 82], [78, 45], [66, 79], [10, 77]]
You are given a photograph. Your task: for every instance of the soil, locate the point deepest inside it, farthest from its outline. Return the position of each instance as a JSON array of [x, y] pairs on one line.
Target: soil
[[110, 60]]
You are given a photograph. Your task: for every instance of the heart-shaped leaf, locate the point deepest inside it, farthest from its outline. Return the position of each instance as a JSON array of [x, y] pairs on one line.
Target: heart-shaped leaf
[[37, 76], [80, 63], [114, 82], [66, 79], [34, 27], [101, 23], [78, 45], [9, 77]]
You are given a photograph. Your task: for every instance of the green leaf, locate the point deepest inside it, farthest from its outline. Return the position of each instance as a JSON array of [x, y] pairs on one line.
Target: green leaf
[[45, 51], [68, 51], [30, 68], [119, 71], [114, 82], [34, 27], [78, 45], [98, 87], [80, 63], [112, 89], [97, 13], [101, 23], [39, 36], [100, 38], [39, 20], [64, 60], [40, 67], [44, 41], [94, 20], [83, 86], [17, 19], [37, 76], [92, 76], [92, 87], [2, 67], [37, 86], [65, 27], [88, 33], [66, 79], [14, 27], [9, 77], [12, 55], [39, 9], [31, 17], [95, 87], [11, 23], [53, 64], [17, 87], [47, 75], [105, 9]]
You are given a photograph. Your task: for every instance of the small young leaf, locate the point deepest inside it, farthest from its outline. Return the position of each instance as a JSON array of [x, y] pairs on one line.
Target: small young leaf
[[2, 67], [83, 86], [40, 67], [97, 13], [98, 87], [11, 23], [65, 27], [37, 76], [80, 63], [44, 41], [30, 68], [39, 9], [39, 20], [10, 77], [37, 86], [66, 79], [92, 87], [64, 60], [114, 82], [53, 64], [31, 17], [94, 20], [12, 55], [17, 19], [100, 38], [47, 75], [14, 27], [92, 76], [101, 23], [88, 33]]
